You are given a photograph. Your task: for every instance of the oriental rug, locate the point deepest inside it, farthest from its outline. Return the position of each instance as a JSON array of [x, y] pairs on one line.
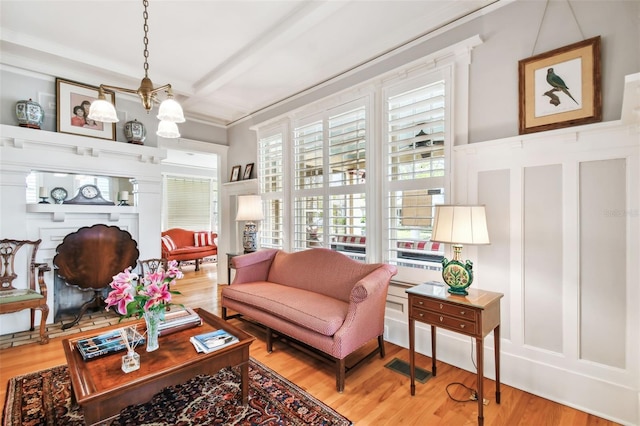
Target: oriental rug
[[44, 398]]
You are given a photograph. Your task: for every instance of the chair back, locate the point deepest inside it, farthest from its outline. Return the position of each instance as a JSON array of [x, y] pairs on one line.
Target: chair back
[[14, 262], [150, 266]]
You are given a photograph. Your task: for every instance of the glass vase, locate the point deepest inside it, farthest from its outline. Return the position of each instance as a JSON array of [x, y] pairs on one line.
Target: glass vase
[[152, 319]]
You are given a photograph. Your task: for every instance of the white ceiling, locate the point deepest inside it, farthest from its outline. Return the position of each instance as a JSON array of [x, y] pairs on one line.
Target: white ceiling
[[224, 59]]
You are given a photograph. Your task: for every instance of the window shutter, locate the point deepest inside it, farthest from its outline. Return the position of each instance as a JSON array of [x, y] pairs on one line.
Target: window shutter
[[271, 181], [189, 203]]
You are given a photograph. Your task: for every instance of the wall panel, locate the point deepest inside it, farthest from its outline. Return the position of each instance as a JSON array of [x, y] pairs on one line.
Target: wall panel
[[603, 222]]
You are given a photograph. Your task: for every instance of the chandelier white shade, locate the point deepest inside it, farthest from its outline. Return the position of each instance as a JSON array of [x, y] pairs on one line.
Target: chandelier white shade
[[102, 110], [168, 129], [170, 110], [460, 225]]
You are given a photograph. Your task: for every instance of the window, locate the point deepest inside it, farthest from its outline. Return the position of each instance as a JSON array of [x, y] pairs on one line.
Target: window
[[271, 181], [415, 169], [191, 203], [362, 171], [330, 172]]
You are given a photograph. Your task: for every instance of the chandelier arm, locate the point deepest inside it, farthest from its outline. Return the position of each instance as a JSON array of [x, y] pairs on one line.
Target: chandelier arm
[[118, 89], [161, 88]]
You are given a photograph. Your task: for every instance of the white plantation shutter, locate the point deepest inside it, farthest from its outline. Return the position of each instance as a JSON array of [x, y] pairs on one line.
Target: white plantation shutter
[[308, 156], [347, 147], [415, 168], [271, 181]]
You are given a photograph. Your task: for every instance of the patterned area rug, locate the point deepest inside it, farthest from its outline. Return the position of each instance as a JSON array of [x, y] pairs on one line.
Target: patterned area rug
[[44, 398]]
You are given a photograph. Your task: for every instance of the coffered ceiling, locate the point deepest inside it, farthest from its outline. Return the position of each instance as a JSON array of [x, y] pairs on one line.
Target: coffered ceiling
[[224, 59]]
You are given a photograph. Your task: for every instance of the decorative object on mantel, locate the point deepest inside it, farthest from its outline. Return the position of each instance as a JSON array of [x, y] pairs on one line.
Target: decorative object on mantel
[[250, 210], [42, 194], [29, 114], [89, 194], [123, 198], [235, 173], [59, 194], [247, 171], [170, 111], [135, 132], [458, 225], [73, 101]]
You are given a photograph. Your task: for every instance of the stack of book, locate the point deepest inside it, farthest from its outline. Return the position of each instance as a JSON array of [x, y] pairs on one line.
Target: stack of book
[[107, 343], [178, 319], [213, 341]]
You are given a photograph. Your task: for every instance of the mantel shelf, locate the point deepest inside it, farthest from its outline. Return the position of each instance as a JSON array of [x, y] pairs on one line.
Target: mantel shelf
[[60, 211]]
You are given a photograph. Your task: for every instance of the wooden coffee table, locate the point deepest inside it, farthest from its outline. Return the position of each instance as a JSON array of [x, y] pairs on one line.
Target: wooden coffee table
[[102, 389]]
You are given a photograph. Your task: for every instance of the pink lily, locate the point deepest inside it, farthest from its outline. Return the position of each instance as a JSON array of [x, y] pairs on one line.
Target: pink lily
[[157, 295]]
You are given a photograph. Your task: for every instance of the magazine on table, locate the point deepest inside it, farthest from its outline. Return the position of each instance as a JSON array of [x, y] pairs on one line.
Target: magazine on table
[[107, 343], [213, 341]]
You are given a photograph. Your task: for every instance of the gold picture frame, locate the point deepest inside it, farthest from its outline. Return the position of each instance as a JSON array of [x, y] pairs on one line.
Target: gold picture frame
[[560, 88], [73, 100]]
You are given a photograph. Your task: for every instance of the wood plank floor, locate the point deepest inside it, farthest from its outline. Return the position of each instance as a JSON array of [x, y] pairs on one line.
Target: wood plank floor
[[374, 395]]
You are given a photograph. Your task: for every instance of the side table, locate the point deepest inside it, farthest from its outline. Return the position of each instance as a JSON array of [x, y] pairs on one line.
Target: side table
[[475, 315], [229, 267]]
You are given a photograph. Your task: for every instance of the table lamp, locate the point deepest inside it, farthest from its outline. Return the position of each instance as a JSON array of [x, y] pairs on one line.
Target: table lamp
[[458, 225], [249, 210]]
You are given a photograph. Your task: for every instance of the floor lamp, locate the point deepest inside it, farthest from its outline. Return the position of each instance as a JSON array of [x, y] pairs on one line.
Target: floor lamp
[[250, 211]]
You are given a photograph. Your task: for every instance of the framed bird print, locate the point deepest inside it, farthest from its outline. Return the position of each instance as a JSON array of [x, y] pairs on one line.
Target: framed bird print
[[561, 88]]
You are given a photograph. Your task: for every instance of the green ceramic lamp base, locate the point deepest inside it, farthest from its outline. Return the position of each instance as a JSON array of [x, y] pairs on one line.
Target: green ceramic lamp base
[[456, 275]]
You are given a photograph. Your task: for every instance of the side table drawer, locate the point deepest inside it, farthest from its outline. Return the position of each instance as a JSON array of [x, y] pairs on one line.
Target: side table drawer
[[444, 321], [445, 308]]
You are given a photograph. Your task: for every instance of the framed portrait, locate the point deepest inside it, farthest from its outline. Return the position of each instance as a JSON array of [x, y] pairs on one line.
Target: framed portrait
[[248, 169], [561, 88], [235, 173], [73, 101]]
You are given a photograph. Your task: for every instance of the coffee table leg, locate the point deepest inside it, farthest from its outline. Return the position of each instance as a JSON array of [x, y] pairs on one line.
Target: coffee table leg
[[244, 385]]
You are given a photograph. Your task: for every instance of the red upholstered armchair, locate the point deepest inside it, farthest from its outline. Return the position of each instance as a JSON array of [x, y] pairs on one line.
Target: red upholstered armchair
[[182, 244]]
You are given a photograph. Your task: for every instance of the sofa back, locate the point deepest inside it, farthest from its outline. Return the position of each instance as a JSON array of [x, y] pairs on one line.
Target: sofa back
[[319, 270]]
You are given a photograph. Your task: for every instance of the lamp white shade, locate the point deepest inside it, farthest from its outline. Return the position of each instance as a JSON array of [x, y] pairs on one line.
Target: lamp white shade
[[123, 196], [249, 208], [460, 225], [102, 110], [168, 129], [170, 110], [43, 192]]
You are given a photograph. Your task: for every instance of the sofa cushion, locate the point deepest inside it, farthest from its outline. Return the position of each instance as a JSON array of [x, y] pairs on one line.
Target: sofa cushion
[[307, 309], [168, 244], [203, 239]]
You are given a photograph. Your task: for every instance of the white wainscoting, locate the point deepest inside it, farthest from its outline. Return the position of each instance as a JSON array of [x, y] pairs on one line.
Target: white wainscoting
[[563, 212]]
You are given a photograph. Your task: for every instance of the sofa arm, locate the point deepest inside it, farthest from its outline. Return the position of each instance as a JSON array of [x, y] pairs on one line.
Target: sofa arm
[[253, 266], [365, 315]]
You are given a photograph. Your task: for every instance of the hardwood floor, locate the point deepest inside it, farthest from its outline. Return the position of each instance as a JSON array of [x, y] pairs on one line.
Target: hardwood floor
[[374, 395]]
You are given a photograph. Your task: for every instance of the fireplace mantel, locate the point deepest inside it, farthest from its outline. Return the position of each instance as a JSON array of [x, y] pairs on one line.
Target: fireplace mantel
[[24, 150]]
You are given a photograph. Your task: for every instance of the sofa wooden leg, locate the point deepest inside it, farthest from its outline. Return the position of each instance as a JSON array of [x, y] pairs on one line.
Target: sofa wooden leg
[[269, 340], [381, 345], [224, 313], [197, 264], [340, 373]]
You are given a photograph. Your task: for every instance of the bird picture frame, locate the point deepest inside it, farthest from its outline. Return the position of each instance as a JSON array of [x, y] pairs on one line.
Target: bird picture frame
[[560, 88]]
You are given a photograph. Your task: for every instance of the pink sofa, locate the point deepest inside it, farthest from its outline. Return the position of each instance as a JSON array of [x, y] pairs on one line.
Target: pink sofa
[[318, 297]]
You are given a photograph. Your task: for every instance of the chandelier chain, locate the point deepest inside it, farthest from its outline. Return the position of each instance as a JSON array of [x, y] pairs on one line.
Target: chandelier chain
[[145, 39]]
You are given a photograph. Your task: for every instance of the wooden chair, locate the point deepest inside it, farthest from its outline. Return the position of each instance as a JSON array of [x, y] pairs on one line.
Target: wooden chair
[[149, 266], [15, 299]]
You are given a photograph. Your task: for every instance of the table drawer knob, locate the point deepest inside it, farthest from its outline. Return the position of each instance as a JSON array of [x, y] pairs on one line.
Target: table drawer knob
[[440, 319], [441, 306], [421, 315], [420, 302], [462, 312], [461, 325]]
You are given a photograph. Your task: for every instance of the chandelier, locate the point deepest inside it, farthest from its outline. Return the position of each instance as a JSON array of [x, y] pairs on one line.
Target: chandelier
[[169, 112]]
